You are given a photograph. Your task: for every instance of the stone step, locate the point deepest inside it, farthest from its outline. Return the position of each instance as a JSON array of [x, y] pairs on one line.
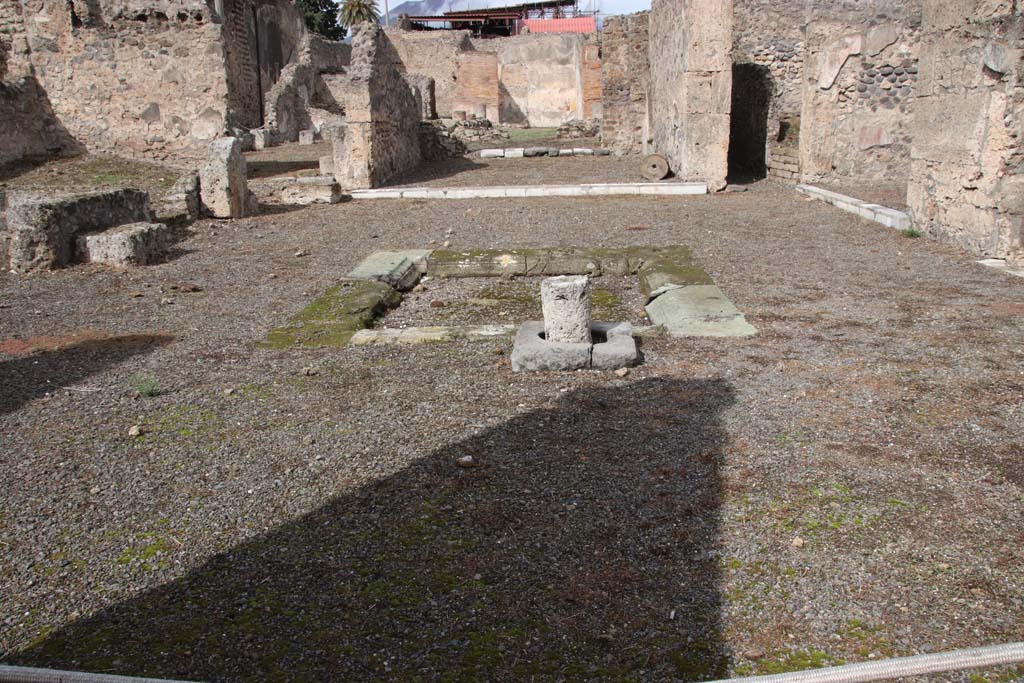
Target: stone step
[[133, 244]]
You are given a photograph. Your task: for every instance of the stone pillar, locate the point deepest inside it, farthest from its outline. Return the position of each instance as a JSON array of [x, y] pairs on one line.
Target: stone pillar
[[566, 303], [222, 182]]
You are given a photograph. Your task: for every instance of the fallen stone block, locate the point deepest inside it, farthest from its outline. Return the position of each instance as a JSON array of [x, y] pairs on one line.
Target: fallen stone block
[[492, 153], [400, 269], [514, 152], [307, 137], [603, 152], [134, 244], [698, 311], [535, 152], [43, 231], [222, 181], [582, 151], [182, 202]]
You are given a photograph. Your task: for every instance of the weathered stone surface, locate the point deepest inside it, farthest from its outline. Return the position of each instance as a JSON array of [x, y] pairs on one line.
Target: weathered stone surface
[[400, 269], [425, 335], [691, 86], [477, 263], [134, 244], [380, 137], [182, 202], [327, 165], [307, 137], [43, 230], [531, 352], [966, 180], [296, 191], [222, 180], [334, 317], [565, 301], [617, 351], [698, 311]]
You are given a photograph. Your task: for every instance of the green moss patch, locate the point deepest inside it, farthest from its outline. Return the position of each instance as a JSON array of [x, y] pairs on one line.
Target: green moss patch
[[332, 318]]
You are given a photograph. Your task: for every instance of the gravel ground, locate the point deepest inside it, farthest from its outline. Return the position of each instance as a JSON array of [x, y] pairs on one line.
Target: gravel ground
[[86, 173], [483, 301], [476, 172], [846, 485]]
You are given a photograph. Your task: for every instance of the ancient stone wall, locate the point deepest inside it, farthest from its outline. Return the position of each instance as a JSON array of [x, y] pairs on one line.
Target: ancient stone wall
[[380, 138], [860, 78], [967, 168], [625, 73], [145, 84], [434, 54], [691, 86], [261, 37]]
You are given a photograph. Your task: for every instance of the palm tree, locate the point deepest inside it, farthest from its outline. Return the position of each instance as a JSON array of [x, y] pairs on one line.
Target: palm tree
[[357, 11]]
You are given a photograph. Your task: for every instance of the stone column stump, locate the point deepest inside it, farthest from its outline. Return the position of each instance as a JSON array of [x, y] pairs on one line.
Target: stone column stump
[[565, 301]]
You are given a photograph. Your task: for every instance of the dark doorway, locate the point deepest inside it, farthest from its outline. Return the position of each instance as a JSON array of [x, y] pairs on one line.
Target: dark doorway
[[748, 129]]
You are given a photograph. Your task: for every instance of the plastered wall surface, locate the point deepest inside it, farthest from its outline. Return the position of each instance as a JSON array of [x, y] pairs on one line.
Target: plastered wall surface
[[967, 163], [860, 88]]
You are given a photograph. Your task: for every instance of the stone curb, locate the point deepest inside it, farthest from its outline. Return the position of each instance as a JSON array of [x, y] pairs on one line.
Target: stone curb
[[891, 218], [1001, 265], [501, 192], [531, 352]]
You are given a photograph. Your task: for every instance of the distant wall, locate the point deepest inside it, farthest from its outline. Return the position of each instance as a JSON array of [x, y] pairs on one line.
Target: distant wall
[[476, 86], [691, 86], [434, 54], [967, 168], [543, 79], [625, 75]]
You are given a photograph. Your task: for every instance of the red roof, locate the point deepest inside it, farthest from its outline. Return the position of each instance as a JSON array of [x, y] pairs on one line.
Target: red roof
[[573, 25]]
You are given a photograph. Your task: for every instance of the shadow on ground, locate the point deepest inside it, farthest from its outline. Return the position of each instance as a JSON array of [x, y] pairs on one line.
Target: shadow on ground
[[579, 548], [434, 170], [64, 361]]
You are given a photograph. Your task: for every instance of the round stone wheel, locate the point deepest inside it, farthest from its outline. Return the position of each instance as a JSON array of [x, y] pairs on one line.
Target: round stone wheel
[[654, 167]]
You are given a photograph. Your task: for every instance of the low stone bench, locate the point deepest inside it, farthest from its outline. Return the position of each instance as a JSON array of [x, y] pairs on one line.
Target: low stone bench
[[134, 244], [43, 232]]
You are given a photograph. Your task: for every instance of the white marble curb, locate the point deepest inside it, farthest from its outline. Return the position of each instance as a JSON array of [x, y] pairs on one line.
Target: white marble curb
[[890, 218], [498, 192]]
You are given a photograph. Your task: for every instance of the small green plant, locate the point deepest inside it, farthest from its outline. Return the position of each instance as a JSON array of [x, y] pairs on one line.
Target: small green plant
[[146, 385], [911, 233]]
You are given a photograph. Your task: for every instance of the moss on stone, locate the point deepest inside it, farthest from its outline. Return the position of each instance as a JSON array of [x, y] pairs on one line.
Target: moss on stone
[[332, 318]]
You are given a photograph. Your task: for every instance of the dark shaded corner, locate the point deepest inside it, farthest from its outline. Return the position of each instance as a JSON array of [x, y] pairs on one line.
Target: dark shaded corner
[[580, 548], [752, 90], [28, 377]]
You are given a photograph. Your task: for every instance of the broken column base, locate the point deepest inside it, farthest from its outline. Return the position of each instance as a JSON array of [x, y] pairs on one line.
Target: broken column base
[[613, 348]]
